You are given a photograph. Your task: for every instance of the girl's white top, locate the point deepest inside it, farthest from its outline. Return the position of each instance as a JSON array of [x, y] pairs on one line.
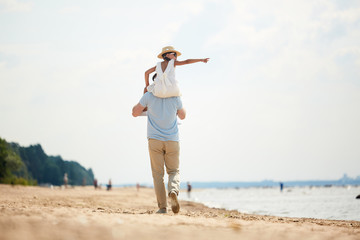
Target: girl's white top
[[165, 84]]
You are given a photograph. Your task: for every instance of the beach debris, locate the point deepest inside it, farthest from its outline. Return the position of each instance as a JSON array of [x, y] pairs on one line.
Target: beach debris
[[100, 209], [235, 226], [358, 196]]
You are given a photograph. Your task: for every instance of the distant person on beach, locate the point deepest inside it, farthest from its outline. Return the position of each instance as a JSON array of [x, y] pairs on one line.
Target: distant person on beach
[[95, 183], [108, 187], [165, 84], [65, 180], [189, 189]]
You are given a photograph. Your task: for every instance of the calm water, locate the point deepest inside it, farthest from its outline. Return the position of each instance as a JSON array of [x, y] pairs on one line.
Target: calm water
[[317, 202]]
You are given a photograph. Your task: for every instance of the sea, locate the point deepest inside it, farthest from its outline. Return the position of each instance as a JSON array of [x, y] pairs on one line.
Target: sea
[[325, 202]]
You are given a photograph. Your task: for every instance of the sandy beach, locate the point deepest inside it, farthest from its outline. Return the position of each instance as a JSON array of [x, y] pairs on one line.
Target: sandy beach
[[123, 213]]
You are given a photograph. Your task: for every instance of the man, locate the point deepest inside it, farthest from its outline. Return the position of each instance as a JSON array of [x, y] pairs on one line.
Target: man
[[163, 141]]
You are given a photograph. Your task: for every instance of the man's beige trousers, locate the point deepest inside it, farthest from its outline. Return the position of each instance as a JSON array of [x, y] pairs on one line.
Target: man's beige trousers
[[164, 153]]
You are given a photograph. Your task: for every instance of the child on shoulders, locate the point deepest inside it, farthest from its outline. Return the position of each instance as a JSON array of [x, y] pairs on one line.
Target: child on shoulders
[[165, 84]]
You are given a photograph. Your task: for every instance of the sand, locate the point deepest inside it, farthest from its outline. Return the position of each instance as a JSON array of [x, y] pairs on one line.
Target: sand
[[123, 213]]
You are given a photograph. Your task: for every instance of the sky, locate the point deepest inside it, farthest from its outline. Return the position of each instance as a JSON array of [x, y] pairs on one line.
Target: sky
[[279, 98]]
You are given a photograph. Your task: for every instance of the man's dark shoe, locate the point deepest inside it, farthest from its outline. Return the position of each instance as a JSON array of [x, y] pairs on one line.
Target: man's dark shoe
[[162, 211]]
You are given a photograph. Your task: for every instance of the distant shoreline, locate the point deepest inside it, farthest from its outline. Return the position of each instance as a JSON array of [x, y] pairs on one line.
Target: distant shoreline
[[262, 184]]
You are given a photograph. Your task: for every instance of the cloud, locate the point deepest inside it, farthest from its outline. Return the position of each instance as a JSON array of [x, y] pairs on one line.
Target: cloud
[[15, 6], [297, 38], [71, 10]]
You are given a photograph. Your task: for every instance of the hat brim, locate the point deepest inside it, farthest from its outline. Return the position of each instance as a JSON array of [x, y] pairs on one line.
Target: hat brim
[[177, 53]]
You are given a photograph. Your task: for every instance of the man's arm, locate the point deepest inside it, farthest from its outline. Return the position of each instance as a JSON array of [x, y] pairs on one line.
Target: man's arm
[[137, 110], [181, 113], [190, 61]]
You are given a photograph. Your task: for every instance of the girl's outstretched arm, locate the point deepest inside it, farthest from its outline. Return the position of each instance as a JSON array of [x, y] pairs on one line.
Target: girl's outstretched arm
[[147, 73], [189, 61]]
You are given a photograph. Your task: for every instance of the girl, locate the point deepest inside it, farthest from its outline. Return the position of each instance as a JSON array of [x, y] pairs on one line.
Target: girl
[[165, 84]]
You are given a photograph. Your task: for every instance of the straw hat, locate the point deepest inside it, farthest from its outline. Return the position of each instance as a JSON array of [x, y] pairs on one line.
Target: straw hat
[[168, 49]]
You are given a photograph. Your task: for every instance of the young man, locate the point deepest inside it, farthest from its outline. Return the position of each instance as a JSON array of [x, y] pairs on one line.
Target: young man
[[163, 141]]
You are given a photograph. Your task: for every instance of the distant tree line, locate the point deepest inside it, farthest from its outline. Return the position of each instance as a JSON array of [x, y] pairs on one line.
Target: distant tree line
[[31, 166]]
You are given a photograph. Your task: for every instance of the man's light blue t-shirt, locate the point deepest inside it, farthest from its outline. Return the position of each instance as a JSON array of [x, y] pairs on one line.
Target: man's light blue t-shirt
[[162, 117]]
